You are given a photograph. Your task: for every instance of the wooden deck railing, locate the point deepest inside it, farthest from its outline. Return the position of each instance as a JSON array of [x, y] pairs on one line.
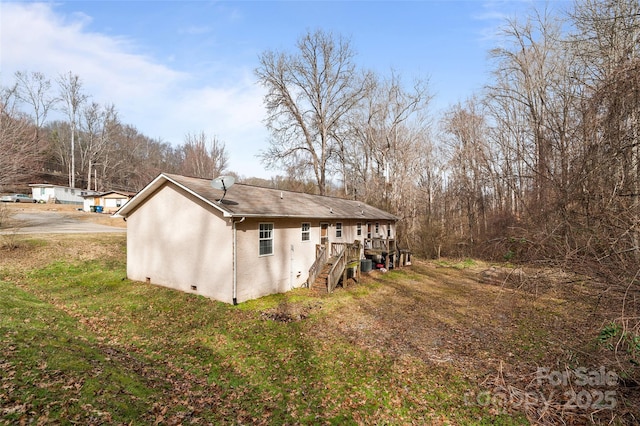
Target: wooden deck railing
[[382, 244], [344, 253], [316, 268], [352, 250], [337, 269]]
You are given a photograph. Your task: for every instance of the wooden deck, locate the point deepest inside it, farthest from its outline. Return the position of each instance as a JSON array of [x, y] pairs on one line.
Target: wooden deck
[[334, 260]]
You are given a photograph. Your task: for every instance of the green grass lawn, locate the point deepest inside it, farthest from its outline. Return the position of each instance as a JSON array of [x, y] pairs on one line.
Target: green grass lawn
[[79, 343]]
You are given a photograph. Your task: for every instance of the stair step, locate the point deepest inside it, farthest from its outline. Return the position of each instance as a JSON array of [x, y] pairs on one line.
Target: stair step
[[319, 286]]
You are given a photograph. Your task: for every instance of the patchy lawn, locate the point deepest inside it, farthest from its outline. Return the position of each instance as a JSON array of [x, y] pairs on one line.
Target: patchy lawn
[[436, 343]]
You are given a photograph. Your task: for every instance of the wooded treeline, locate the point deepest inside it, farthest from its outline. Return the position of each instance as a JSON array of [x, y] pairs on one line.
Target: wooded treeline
[[545, 165]]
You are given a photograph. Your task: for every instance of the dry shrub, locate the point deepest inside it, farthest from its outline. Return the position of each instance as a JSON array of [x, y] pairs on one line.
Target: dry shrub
[[562, 395], [4, 215]]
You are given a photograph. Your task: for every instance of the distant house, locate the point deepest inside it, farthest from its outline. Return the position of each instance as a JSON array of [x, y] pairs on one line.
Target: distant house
[[49, 193], [256, 241], [109, 201]]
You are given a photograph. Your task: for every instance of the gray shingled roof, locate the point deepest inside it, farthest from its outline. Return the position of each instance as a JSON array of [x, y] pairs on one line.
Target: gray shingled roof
[[254, 201]]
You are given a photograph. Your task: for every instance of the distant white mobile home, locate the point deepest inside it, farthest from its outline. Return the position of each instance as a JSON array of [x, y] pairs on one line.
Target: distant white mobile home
[[49, 193]]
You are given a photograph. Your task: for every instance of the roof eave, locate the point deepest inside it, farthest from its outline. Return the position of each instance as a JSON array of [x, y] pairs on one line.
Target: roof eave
[[291, 216]]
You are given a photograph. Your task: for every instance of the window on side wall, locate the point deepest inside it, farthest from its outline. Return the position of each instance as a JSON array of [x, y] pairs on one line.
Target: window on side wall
[[389, 230], [338, 230], [377, 229], [306, 232], [358, 229], [266, 239]]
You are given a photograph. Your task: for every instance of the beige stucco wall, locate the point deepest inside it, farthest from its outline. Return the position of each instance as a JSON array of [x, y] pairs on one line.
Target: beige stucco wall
[[178, 241], [288, 266]]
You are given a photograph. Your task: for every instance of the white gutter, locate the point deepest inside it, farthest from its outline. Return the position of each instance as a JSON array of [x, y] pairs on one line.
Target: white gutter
[[235, 261]]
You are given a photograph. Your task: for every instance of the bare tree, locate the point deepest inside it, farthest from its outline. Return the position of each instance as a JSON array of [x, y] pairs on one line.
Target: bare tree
[[525, 69], [72, 99], [381, 147], [203, 156], [99, 124], [308, 96], [132, 159], [34, 89], [470, 170], [431, 233], [398, 127], [606, 35], [19, 157], [607, 45]]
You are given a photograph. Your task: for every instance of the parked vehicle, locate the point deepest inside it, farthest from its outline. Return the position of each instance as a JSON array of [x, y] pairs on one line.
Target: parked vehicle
[[17, 198]]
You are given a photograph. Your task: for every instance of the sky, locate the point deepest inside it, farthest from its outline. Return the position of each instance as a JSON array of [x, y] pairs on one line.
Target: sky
[[178, 67]]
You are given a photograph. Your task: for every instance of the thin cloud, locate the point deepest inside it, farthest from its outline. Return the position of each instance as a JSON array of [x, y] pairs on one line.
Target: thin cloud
[[194, 30], [494, 16], [161, 102], [35, 38]]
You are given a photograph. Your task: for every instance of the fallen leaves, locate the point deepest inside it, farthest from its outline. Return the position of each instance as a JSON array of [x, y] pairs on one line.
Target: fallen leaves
[[95, 349]]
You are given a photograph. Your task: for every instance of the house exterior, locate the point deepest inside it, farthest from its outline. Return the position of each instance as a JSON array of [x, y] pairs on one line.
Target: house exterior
[[239, 245], [110, 201], [49, 193]]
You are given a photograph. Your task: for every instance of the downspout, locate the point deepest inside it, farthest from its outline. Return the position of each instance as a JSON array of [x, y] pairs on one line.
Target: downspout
[[235, 261]]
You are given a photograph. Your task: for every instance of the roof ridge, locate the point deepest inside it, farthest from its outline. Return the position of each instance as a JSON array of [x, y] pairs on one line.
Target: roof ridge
[[269, 188], [249, 200]]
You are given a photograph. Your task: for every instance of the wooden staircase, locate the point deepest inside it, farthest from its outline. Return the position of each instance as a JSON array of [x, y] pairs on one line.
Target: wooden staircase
[[321, 284], [331, 266]]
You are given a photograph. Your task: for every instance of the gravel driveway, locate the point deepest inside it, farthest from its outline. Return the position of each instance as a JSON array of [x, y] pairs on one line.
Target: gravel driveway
[[53, 222]]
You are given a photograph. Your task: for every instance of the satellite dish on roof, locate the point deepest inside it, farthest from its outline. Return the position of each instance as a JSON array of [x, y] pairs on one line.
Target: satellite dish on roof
[[223, 183]]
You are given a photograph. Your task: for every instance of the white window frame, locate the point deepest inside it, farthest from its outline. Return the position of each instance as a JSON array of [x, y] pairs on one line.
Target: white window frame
[[338, 229], [265, 237], [359, 229], [306, 233]]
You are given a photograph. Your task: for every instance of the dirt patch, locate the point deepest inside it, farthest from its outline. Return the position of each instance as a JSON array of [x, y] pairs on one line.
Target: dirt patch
[[497, 330], [290, 312], [449, 317]]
